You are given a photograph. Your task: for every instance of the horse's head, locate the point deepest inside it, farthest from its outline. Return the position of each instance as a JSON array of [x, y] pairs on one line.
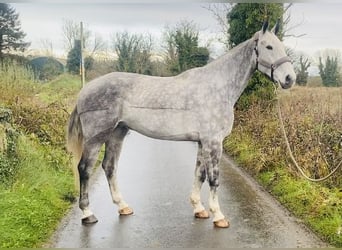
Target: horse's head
[[271, 58]]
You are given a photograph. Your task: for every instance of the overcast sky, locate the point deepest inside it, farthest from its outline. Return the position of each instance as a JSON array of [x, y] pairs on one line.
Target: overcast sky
[[321, 22]]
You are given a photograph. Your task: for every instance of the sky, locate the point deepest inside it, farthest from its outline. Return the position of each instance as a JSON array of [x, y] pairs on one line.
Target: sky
[[321, 22]]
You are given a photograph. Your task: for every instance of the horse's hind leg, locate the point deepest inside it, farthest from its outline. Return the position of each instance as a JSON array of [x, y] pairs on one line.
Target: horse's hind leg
[[200, 176], [212, 153], [89, 156], [109, 165]]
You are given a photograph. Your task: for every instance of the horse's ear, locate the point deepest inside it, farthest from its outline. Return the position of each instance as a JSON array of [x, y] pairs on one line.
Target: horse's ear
[[276, 27], [265, 26]]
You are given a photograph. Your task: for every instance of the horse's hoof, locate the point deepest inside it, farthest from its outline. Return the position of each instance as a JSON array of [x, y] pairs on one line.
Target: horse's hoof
[[202, 215], [223, 223], [89, 220], [126, 211]]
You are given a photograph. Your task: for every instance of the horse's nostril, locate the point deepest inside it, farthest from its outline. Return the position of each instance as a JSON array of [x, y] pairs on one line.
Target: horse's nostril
[[288, 80]]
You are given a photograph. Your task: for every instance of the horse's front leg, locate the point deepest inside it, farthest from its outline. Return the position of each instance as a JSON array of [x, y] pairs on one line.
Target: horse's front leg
[[89, 156], [213, 153], [200, 176]]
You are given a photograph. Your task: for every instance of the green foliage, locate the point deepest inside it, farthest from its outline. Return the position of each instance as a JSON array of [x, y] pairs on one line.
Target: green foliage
[[46, 68], [11, 36], [183, 51], [62, 90], [260, 90], [329, 72], [245, 19], [134, 52], [320, 208], [8, 152], [302, 71], [189, 54], [44, 121], [74, 58], [40, 196]]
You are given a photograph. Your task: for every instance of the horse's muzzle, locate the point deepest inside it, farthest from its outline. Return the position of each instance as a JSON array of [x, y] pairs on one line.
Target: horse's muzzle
[[289, 81]]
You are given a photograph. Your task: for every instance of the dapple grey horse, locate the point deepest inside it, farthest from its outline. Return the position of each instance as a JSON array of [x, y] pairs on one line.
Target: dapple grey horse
[[196, 105]]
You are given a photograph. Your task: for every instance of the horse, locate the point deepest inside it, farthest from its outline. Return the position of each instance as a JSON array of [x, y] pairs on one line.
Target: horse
[[196, 105]]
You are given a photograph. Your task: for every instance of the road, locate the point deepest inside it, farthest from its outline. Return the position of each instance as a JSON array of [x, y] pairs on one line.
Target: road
[[156, 178]]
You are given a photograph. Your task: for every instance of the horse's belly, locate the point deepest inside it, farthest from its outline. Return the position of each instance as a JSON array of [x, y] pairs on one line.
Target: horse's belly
[[166, 124]]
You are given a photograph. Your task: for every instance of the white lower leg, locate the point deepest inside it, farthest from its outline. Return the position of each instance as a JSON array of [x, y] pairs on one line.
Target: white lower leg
[[195, 197], [116, 195], [214, 206], [86, 213], [117, 199]]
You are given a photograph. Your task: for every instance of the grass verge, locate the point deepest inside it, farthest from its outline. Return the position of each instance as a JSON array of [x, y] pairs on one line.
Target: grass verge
[[42, 193], [313, 123]]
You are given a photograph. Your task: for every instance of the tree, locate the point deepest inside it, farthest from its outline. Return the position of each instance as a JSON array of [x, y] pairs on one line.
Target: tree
[[302, 71], [11, 35], [329, 71], [220, 12], [134, 52], [72, 31], [245, 19], [74, 58], [183, 51]]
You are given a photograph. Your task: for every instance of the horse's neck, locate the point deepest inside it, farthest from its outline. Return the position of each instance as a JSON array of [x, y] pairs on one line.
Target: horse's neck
[[235, 69]]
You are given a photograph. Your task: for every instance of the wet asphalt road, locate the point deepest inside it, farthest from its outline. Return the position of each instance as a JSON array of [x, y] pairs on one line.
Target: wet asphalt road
[[155, 179]]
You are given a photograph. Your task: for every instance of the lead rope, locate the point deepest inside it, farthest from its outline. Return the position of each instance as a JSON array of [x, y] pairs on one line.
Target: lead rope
[[291, 154]]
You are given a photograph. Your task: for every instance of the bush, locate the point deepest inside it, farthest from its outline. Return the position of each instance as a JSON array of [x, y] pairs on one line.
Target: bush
[[47, 122], [46, 68], [259, 91], [8, 145]]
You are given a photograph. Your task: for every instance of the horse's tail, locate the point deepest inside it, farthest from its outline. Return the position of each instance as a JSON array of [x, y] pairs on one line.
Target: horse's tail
[[75, 139]]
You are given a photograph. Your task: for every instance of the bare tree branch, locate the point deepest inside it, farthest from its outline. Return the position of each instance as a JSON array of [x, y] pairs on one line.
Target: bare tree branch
[[286, 21], [98, 45], [220, 12], [71, 31], [47, 47]]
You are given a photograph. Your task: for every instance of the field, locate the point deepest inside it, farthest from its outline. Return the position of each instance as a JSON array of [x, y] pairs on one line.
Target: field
[[313, 124]]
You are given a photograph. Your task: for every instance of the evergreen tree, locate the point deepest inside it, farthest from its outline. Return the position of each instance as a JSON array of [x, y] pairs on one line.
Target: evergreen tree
[[329, 72], [245, 19], [74, 58], [11, 35]]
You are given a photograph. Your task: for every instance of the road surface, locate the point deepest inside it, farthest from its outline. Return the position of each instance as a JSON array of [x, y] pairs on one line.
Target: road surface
[[155, 179]]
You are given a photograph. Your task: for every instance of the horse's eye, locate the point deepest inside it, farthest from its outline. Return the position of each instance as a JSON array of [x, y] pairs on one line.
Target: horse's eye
[[269, 47]]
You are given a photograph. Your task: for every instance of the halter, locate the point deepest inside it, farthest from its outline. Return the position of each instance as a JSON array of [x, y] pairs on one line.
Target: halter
[[272, 66]]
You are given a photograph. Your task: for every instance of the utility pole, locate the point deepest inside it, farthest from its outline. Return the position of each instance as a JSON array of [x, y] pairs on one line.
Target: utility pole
[[82, 57]]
